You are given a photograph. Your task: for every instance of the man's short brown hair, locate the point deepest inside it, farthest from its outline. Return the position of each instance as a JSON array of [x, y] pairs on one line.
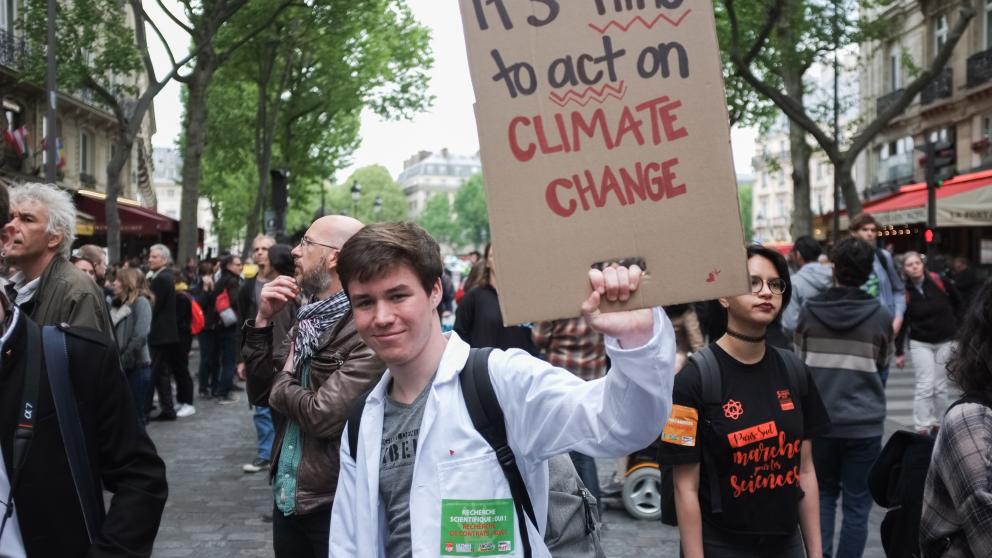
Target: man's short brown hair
[[378, 248], [860, 220]]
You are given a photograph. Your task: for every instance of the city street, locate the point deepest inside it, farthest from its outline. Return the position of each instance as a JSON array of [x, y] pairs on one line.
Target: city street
[[215, 510]]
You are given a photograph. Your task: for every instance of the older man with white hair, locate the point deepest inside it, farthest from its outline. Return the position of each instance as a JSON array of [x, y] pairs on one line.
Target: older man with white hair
[[46, 286]]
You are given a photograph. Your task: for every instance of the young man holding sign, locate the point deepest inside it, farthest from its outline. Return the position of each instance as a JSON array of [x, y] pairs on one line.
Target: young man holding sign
[[423, 481]]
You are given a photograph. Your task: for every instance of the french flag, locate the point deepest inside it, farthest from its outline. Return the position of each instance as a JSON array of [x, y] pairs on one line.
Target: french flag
[[18, 140]]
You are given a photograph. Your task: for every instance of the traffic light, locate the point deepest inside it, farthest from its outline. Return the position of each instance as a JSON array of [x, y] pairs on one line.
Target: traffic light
[[941, 162], [928, 236]]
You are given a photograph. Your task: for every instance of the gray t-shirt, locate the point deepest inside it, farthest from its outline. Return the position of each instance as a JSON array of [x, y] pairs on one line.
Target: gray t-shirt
[[400, 431]]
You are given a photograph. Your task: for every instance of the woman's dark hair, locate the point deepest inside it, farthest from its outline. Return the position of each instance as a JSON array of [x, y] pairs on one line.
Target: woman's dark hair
[[281, 259], [970, 366], [781, 266], [486, 273], [205, 268], [853, 259]]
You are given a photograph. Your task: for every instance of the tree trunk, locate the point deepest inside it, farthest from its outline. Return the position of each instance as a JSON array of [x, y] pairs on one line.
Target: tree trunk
[[847, 186], [195, 133], [115, 166], [800, 151]]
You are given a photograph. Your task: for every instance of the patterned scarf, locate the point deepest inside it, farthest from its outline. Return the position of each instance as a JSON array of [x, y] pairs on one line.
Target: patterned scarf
[[315, 319]]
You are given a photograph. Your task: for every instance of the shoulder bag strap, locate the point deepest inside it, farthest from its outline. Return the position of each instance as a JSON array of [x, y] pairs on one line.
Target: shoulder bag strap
[[711, 386], [487, 417], [63, 394], [24, 433]]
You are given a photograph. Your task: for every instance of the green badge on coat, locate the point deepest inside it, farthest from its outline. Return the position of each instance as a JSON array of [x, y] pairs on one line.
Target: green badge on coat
[[476, 527]]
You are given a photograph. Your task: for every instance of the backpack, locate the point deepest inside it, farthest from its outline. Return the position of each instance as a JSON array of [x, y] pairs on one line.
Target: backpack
[[573, 516], [712, 389], [222, 304], [937, 280], [198, 321], [896, 481]]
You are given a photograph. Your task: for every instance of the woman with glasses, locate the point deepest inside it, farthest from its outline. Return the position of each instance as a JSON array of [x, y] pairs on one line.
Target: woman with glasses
[[930, 324], [743, 468]]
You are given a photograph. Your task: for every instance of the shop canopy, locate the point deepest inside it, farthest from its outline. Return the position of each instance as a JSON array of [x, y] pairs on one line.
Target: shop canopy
[[135, 220], [963, 201]]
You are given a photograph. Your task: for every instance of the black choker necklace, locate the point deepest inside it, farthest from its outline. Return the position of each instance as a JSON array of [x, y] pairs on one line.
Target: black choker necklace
[[743, 337]]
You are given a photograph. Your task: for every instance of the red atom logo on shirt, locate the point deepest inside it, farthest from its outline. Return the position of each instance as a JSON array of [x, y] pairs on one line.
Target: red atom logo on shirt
[[733, 409]]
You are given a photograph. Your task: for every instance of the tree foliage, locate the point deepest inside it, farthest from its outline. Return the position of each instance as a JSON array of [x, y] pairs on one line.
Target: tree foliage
[[300, 87], [795, 34], [103, 49], [375, 182], [745, 197], [471, 217], [438, 219]]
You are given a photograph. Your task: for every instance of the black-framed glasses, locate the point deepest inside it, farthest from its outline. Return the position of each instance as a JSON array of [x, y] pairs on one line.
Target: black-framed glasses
[[307, 242], [776, 285]]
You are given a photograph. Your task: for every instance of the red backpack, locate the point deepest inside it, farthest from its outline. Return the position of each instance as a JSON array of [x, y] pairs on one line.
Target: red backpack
[[197, 322]]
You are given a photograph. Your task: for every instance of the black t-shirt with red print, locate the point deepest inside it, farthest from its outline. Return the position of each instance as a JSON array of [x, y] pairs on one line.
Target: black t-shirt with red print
[[752, 438]]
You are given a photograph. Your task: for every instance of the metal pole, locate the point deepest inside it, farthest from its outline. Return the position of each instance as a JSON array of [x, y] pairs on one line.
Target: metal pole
[[836, 30], [51, 133], [932, 196]]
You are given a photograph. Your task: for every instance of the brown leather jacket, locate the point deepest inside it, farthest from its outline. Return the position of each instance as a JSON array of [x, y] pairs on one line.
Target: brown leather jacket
[[342, 369]]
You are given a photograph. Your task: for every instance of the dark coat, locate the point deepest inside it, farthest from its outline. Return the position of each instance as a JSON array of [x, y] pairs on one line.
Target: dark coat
[[165, 330], [67, 295], [122, 457]]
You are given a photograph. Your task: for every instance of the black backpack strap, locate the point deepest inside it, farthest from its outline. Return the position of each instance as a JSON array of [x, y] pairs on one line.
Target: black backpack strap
[[712, 391], [355, 422], [487, 418], [796, 368], [709, 375], [63, 394]]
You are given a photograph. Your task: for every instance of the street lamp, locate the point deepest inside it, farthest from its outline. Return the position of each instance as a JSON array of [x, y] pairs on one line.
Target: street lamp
[[356, 194], [377, 206]]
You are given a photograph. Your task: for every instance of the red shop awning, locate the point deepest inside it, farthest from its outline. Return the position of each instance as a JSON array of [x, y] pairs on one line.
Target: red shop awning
[[135, 220], [909, 205]]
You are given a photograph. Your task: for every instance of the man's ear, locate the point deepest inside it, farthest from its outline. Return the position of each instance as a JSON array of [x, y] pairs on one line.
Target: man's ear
[[55, 239], [437, 291]]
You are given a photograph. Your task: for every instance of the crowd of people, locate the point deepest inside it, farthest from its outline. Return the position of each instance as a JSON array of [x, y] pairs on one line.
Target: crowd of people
[[375, 425]]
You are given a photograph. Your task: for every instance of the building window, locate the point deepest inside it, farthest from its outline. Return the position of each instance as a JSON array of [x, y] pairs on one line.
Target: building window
[[939, 32], [86, 152], [8, 15], [988, 24], [895, 69]]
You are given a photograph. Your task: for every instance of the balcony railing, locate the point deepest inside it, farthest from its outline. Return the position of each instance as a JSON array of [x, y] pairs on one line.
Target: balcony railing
[[12, 50], [886, 100], [979, 68], [941, 87]]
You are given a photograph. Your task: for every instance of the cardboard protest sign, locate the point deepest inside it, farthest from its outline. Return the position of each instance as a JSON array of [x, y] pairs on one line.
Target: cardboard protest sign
[[604, 135]]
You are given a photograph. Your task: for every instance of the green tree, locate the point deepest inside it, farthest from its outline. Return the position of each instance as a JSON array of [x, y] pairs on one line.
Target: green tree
[[789, 35], [301, 99], [99, 52], [376, 183], [437, 219], [471, 216], [745, 197]]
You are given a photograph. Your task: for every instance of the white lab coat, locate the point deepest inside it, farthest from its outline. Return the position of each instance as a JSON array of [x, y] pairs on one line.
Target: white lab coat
[[548, 410]]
